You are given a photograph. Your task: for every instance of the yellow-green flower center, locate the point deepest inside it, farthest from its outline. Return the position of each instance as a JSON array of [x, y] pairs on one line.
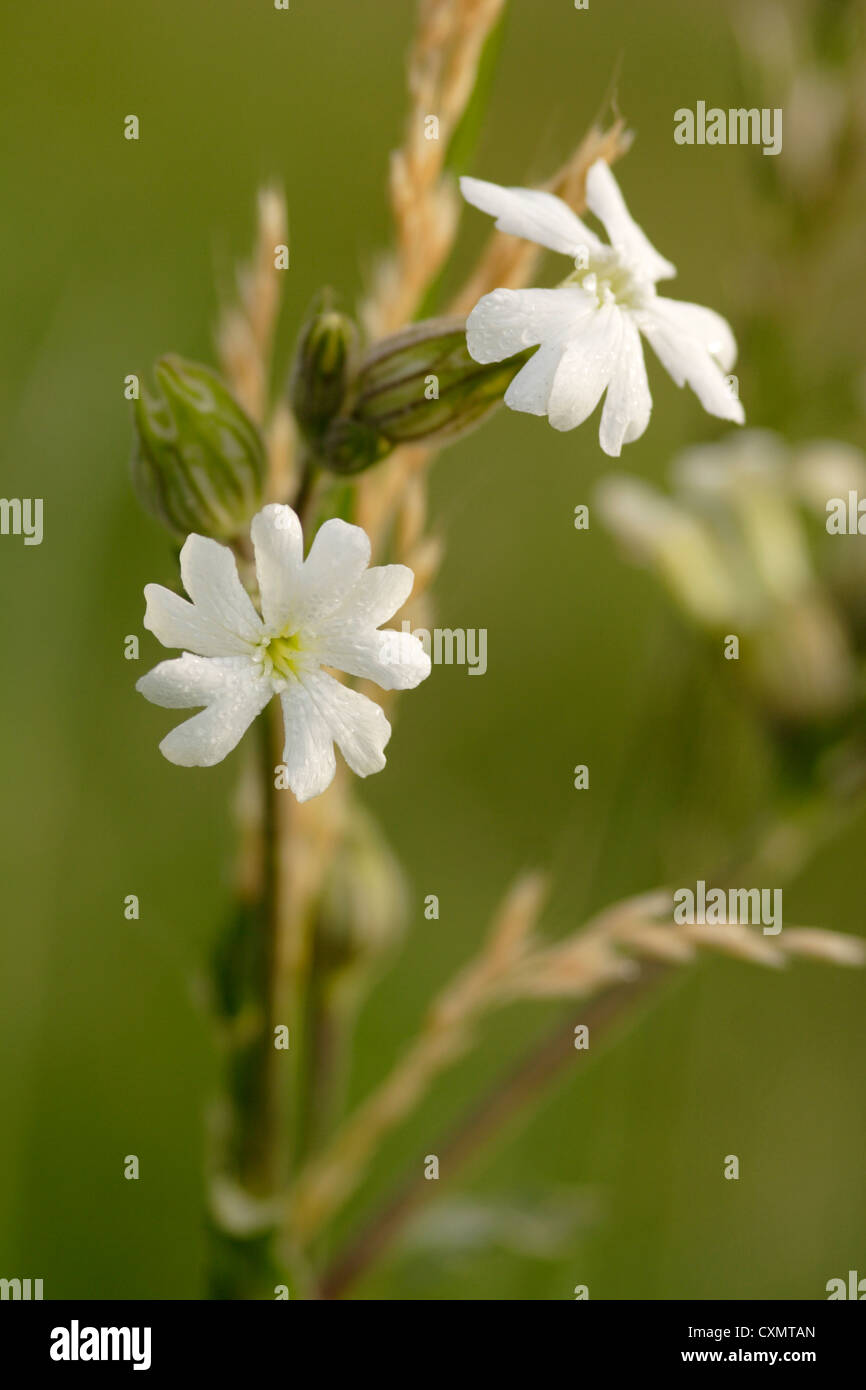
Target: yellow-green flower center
[[283, 652], [609, 280]]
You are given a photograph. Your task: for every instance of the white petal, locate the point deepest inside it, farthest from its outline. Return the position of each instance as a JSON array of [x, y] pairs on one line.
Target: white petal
[[191, 680], [177, 623], [210, 577], [279, 546], [377, 596], [308, 754], [337, 559], [394, 660], [505, 322], [530, 390], [687, 360], [531, 213], [208, 737], [585, 369], [704, 324], [604, 198], [628, 404], [357, 725]]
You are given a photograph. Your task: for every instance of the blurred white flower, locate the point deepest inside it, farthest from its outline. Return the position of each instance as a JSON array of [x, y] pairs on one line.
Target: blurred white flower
[[589, 327], [828, 468], [318, 612], [732, 547]]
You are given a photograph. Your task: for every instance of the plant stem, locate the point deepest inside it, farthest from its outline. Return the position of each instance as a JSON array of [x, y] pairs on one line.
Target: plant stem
[[267, 1120], [249, 1169], [303, 497], [329, 1027]]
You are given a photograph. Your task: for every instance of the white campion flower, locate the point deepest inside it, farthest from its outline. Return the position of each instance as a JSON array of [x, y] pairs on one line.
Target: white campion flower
[[322, 611], [589, 327]]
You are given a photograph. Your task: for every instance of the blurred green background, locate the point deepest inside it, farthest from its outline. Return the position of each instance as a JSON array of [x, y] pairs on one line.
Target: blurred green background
[[112, 251]]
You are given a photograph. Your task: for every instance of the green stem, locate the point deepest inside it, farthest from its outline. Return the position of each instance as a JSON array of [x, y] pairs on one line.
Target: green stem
[[330, 1025], [304, 495], [249, 1170]]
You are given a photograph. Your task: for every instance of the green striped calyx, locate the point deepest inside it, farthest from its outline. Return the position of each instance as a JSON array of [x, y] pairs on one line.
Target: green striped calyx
[[421, 385], [198, 461]]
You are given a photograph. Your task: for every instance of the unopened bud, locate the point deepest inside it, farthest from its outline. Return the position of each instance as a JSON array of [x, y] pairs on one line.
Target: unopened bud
[[320, 371], [198, 462], [417, 386]]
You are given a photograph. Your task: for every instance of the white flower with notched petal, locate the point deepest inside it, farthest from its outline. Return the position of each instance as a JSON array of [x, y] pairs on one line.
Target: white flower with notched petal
[[589, 327], [322, 611]]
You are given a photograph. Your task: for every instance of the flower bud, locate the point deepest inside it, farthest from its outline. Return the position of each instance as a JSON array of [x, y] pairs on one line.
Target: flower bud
[[320, 372], [198, 462], [419, 385]]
